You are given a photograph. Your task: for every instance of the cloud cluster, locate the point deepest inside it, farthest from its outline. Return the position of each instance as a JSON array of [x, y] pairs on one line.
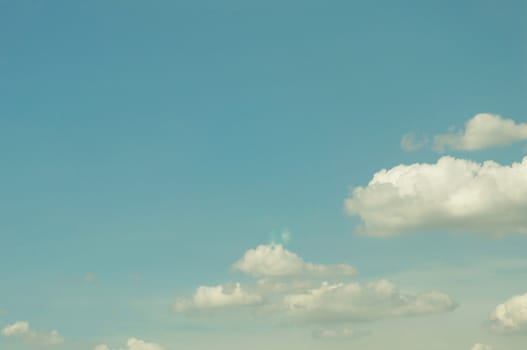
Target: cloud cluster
[[452, 194], [133, 344], [347, 302], [482, 131], [511, 316], [275, 261], [21, 329], [304, 299]]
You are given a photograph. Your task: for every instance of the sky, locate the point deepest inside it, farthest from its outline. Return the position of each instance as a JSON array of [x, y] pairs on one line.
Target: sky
[[254, 174]]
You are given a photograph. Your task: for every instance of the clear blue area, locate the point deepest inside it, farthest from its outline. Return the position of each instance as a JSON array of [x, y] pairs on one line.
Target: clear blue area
[[162, 139]]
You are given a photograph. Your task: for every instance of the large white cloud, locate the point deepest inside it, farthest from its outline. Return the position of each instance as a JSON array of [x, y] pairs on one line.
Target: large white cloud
[[483, 131], [275, 261], [511, 316], [22, 330], [479, 346], [452, 194], [212, 297], [133, 344], [345, 302]]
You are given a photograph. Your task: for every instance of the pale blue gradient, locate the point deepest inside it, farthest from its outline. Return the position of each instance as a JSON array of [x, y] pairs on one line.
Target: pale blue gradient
[[152, 143]]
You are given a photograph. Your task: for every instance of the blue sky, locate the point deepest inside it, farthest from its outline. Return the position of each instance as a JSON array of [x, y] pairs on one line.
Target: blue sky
[[152, 144]]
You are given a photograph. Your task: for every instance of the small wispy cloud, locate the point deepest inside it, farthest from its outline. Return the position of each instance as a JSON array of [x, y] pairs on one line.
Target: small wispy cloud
[[339, 333], [285, 236], [89, 277], [411, 142]]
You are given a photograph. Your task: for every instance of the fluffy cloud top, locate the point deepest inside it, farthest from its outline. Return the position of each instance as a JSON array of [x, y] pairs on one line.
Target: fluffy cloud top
[[483, 131], [218, 296], [452, 194], [344, 302], [21, 329], [275, 261], [511, 316], [479, 346], [133, 344]]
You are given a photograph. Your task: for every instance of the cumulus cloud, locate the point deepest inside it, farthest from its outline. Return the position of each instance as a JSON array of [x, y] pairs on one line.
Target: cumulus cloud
[[345, 302], [304, 300], [21, 329], [327, 302], [511, 316], [133, 344], [483, 131], [275, 261], [411, 142], [479, 346], [452, 194], [213, 297]]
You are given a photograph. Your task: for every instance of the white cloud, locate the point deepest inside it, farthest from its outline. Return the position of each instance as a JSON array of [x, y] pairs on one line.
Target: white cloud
[[133, 344], [511, 316], [452, 194], [22, 330], [479, 346], [213, 297], [346, 302], [275, 261], [410, 142], [483, 131]]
